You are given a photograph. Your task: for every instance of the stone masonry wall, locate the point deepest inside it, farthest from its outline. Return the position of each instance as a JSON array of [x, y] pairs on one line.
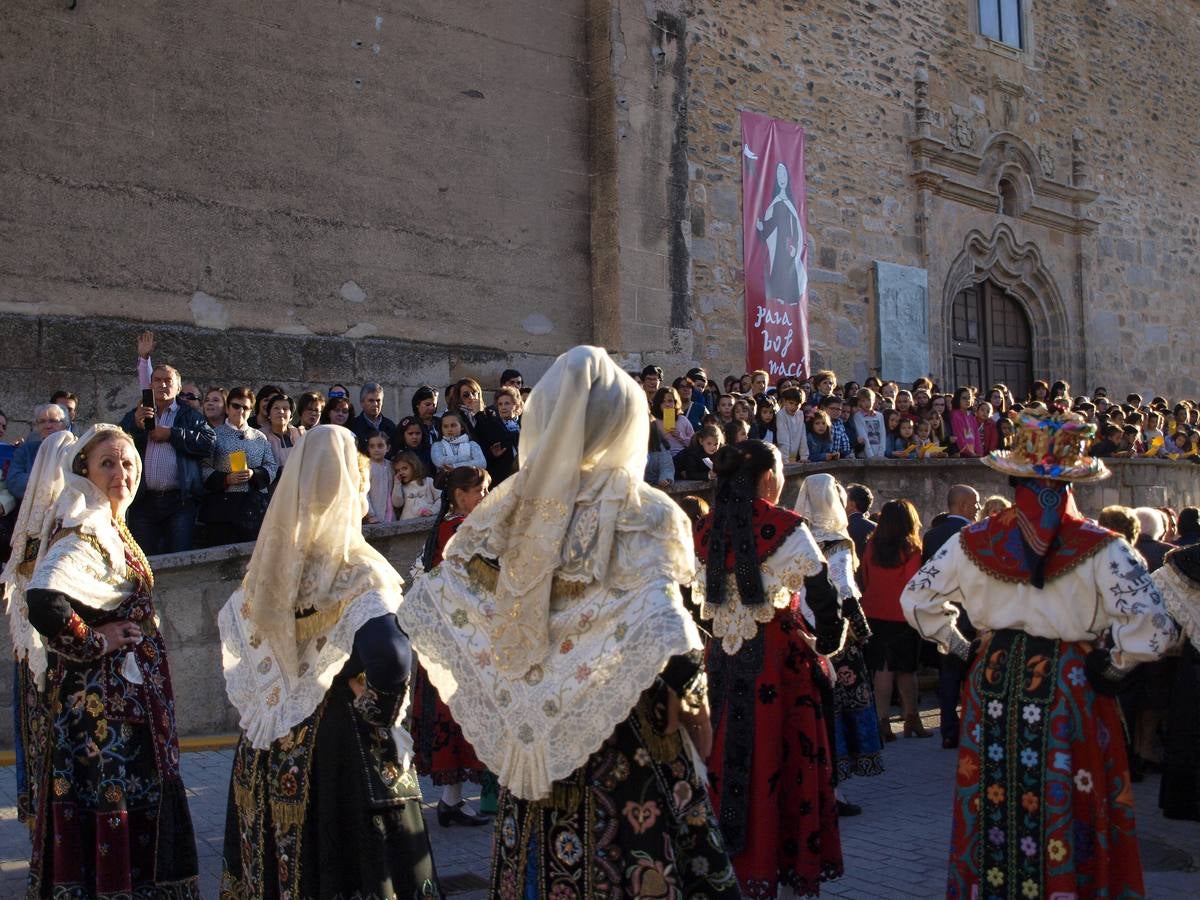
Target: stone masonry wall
[[191, 588], [402, 169], [1117, 73]]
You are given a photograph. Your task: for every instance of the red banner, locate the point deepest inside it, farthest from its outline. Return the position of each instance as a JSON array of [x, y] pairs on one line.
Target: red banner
[[775, 246]]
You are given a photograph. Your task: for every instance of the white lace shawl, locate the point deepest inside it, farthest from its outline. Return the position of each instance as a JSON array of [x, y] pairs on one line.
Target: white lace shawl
[[1182, 598], [783, 574], [608, 640], [269, 702]]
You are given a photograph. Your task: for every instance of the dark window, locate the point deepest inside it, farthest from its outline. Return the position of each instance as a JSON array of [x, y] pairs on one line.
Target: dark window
[[1008, 198], [1001, 21]]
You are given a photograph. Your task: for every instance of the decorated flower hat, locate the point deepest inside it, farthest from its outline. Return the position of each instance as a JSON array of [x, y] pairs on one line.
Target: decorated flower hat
[[1051, 446]]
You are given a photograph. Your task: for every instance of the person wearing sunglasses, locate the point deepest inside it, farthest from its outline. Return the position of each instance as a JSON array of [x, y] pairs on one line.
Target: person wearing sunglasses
[[242, 467]]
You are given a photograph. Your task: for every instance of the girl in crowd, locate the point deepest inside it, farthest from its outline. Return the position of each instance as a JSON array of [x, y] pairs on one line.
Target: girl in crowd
[[904, 405], [1039, 393], [937, 421], [924, 437], [822, 503], [850, 392], [964, 428], [743, 410], [282, 434], [442, 753], [112, 817], [322, 801], [737, 431], [870, 425], [602, 796], [820, 438], [989, 434], [764, 427], [679, 431], [309, 408], [892, 558], [456, 447], [379, 491], [998, 397], [413, 493], [901, 446], [695, 462], [213, 406], [410, 436], [236, 476], [339, 411], [773, 780]]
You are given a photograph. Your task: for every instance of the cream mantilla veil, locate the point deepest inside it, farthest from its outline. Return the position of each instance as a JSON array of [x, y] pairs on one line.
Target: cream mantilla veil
[[31, 539], [557, 601], [312, 582], [822, 503]]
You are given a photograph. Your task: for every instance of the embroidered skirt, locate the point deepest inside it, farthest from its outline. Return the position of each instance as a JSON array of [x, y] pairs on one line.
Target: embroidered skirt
[[439, 749], [771, 769], [1043, 801], [855, 720]]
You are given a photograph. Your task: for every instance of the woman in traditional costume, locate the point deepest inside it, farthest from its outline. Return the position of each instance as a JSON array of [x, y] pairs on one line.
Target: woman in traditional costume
[[112, 817], [554, 630], [1044, 804], [821, 502], [322, 801], [31, 537], [771, 768], [1179, 792]]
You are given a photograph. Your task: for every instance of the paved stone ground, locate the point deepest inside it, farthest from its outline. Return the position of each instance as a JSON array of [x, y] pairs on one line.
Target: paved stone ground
[[896, 849]]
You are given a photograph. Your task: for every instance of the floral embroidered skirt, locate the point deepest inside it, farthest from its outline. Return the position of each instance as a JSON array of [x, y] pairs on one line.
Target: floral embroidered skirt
[[439, 749], [771, 768], [1043, 802], [855, 720], [633, 821]]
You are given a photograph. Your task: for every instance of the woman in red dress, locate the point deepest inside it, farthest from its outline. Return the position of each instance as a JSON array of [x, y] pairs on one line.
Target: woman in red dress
[[440, 750], [771, 769]]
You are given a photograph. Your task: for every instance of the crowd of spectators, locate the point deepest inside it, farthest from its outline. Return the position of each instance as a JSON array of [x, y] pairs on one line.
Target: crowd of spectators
[[213, 455]]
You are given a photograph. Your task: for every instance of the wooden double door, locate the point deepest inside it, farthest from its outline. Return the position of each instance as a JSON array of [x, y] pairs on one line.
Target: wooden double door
[[991, 340]]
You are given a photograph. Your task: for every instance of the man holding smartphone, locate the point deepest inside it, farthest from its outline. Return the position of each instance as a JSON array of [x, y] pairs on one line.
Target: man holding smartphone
[[173, 439]]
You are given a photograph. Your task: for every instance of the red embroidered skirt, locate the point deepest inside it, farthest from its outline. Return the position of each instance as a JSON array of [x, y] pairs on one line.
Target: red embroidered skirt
[[1043, 801], [439, 749], [771, 769]]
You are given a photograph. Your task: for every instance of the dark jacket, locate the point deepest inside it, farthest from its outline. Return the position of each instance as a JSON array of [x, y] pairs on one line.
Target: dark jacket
[[362, 428], [936, 537], [689, 464], [1152, 551], [860, 528], [192, 439], [490, 429]]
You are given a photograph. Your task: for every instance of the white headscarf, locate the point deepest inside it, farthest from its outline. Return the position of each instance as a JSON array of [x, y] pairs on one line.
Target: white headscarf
[[822, 503], [87, 528], [312, 582], [583, 439], [31, 538], [540, 659]]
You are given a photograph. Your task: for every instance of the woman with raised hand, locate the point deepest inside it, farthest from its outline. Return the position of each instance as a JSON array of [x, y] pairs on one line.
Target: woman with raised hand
[[322, 800], [771, 768], [112, 817], [554, 629]]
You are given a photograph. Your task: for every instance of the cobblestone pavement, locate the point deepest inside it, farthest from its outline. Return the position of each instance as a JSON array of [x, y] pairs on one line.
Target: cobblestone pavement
[[896, 849]]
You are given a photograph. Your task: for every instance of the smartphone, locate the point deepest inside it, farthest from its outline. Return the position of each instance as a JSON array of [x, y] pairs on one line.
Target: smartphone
[[237, 461], [669, 419], [148, 398]]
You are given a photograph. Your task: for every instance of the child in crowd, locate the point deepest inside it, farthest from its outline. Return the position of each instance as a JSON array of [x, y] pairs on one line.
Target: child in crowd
[[1004, 431], [410, 436], [904, 405], [821, 447], [413, 493], [379, 495], [928, 445], [737, 431], [870, 425], [725, 409], [964, 429], [694, 462], [743, 411], [793, 436], [660, 467], [456, 448], [904, 440], [989, 435], [764, 427]]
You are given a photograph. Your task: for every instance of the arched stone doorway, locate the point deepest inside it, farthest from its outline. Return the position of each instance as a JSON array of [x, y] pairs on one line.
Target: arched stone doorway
[[991, 339]]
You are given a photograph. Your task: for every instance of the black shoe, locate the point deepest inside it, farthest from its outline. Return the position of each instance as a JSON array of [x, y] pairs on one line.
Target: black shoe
[[949, 743], [846, 808], [456, 815]]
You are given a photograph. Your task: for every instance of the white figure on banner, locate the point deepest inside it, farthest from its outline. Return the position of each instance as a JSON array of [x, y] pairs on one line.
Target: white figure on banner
[[780, 227]]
